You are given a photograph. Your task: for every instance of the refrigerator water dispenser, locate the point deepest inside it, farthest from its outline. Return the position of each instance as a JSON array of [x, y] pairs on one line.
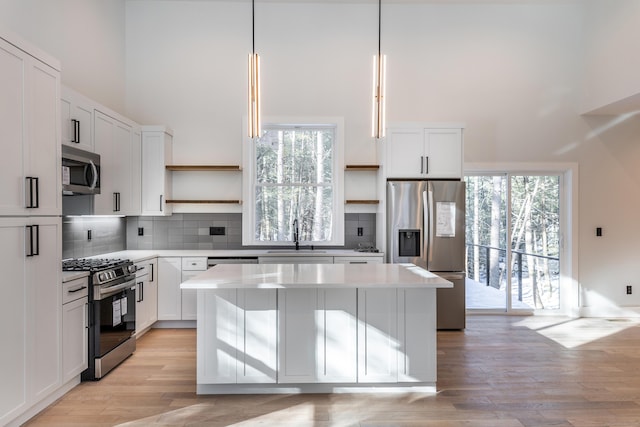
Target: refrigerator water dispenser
[[409, 243]]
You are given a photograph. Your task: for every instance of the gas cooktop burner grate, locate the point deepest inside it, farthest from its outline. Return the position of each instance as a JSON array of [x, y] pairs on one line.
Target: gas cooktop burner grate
[[91, 264]]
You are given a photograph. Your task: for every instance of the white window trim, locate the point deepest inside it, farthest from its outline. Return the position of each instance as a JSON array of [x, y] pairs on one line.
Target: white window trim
[[248, 194]]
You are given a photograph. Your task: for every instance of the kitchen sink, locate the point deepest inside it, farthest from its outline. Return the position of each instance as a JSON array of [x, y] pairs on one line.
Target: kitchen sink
[[293, 251]]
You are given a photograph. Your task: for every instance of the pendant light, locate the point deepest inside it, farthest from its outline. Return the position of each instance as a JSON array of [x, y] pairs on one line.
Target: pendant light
[[253, 116], [378, 112]]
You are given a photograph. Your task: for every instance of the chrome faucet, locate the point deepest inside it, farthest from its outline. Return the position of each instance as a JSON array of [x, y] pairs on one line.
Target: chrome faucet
[[296, 234]]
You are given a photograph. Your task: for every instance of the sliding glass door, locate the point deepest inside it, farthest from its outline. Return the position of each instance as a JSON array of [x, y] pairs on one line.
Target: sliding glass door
[[513, 242]]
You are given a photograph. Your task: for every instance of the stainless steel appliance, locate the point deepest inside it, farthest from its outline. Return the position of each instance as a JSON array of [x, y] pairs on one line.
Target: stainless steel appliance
[[80, 171], [426, 227], [112, 312]]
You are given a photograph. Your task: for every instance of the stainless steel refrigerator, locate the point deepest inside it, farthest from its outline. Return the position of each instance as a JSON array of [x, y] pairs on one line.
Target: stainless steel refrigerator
[[426, 227]]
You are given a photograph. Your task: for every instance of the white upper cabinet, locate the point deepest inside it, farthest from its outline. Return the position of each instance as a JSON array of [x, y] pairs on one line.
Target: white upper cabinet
[[114, 141], [29, 131], [419, 152], [157, 149], [76, 113]]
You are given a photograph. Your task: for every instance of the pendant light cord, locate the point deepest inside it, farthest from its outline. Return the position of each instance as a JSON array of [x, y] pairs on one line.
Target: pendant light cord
[[253, 26], [379, 26]]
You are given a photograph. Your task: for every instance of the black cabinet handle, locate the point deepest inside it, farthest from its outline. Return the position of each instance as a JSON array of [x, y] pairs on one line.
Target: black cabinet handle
[[33, 240], [151, 265], [33, 184], [426, 161], [140, 292], [76, 131], [421, 164], [29, 251], [73, 291], [116, 202], [161, 203], [37, 239]]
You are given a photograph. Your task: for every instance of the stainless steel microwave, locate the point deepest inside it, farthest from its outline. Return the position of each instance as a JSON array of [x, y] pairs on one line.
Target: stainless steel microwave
[[80, 171]]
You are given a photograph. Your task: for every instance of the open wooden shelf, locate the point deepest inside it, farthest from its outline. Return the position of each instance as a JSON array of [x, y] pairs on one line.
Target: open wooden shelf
[[203, 167], [362, 202], [362, 167], [198, 201]]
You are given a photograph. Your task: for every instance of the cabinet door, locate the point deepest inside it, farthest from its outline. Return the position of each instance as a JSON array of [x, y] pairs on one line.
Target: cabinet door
[[74, 338], [169, 295], [45, 305], [135, 185], [443, 152], [76, 120], [189, 297], [317, 335], [377, 335], [12, 130], [113, 143], [103, 139], [29, 120], [13, 318], [121, 166], [337, 332], [142, 312], [217, 336], [299, 343], [44, 158], [405, 153], [152, 292], [417, 335], [258, 329], [156, 182]]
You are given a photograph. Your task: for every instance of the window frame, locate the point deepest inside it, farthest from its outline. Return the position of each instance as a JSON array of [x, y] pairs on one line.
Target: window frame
[[249, 176]]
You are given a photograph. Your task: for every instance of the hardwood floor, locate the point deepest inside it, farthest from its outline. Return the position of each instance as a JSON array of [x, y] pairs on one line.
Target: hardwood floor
[[502, 371]]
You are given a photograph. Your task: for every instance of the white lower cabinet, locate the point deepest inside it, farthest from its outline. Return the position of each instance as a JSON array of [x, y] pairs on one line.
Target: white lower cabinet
[[237, 334], [30, 313], [146, 295], [175, 303], [396, 335], [257, 338], [317, 336], [74, 328], [416, 358], [191, 267], [378, 341], [169, 296]]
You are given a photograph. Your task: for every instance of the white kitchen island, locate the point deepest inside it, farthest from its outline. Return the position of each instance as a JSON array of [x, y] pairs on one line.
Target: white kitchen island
[[314, 328]]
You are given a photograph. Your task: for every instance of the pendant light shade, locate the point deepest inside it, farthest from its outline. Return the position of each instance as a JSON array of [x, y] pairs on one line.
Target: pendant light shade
[[253, 101], [378, 113]]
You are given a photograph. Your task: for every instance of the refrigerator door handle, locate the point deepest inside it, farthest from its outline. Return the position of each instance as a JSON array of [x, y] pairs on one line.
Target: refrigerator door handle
[[427, 200]]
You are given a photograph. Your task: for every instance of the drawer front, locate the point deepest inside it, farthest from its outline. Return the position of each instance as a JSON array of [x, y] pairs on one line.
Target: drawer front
[[75, 289], [357, 260], [142, 269], [194, 264]]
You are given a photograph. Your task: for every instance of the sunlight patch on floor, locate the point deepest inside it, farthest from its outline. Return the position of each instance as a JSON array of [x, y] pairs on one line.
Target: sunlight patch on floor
[[573, 333]]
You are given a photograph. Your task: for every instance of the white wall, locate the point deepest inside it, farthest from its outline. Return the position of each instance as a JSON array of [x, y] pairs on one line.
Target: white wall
[[612, 63], [87, 36]]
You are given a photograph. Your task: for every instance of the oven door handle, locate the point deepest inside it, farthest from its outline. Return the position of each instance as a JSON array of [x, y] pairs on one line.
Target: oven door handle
[[104, 292]]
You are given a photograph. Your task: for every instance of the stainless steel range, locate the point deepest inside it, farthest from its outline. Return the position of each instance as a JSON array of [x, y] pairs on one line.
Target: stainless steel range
[[112, 312]]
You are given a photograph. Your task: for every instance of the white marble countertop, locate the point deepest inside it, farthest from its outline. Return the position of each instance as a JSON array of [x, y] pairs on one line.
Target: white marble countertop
[[142, 255], [284, 276]]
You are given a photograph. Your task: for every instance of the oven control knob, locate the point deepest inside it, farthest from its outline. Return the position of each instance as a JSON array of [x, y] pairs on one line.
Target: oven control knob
[[101, 277]]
